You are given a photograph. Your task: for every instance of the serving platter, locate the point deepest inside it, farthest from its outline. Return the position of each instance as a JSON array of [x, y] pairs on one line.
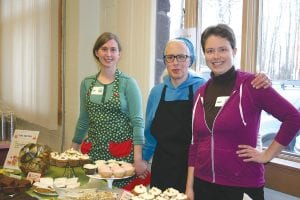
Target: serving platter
[[53, 194], [109, 180]]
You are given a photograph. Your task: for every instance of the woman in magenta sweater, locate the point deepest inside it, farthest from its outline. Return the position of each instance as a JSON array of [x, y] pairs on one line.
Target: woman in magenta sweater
[[224, 162]]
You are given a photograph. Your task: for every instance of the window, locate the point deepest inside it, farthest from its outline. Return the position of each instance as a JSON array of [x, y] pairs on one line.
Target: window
[[29, 62], [221, 11], [278, 55]]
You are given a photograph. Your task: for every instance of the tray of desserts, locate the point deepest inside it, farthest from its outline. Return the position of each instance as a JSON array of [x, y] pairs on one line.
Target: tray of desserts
[[48, 186], [69, 158], [143, 192], [98, 176], [79, 194], [11, 185], [109, 170]]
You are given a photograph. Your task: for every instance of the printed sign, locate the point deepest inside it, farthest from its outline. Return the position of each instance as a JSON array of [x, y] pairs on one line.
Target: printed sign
[[19, 140]]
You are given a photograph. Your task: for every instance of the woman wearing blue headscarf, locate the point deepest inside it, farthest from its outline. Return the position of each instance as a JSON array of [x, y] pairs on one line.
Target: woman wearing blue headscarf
[[168, 117]]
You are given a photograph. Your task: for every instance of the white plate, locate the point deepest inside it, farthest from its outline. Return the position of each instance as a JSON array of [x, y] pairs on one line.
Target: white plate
[[109, 180], [97, 176], [46, 193]]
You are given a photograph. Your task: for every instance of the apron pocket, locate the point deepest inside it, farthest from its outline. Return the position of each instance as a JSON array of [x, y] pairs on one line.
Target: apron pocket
[[120, 149], [85, 147]]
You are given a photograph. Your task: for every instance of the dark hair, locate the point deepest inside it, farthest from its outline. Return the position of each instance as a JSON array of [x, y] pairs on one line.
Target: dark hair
[[221, 30], [102, 39]]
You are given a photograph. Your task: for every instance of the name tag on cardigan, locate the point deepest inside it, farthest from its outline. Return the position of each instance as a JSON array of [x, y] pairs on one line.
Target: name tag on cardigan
[[97, 90], [221, 101]]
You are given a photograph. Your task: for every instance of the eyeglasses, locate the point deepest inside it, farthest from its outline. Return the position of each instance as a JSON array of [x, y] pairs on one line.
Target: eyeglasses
[[179, 58]]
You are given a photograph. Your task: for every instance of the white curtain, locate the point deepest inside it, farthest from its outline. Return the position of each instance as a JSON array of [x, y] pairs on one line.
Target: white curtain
[[29, 59]]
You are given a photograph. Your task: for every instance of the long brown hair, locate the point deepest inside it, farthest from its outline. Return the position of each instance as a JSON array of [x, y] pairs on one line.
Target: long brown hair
[[102, 39]]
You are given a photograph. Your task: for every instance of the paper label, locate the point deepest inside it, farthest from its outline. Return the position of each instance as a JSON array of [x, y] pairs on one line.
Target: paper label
[[33, 177]]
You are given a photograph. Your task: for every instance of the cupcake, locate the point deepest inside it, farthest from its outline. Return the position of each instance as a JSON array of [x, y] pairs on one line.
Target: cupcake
[[171, 192], [74, 161], [113, 164], [155, 191], [53, 157], [71, 151], [147, 196], [118, 172], [112, 161], [139, 189], [105, 171], [61, 161], [129, 170], [100, 162], [90, 169], [84, 159], [181, 196]]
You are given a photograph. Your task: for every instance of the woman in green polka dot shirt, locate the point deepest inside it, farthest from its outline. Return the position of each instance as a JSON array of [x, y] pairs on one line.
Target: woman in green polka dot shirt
[[110, 123]]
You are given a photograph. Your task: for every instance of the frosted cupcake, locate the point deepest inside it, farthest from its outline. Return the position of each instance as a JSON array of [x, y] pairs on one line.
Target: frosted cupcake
[[74, 161], [100, 162], [147, 196], [84, 159], [171, 192], [129, 170], [105, 171], [53, 157], [118, 172], [90, 169], [61, 161], [139, 189], [181, 196], [155, 191]]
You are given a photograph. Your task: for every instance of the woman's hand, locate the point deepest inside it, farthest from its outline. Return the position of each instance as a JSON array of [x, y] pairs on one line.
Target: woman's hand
[[253, 155], [261, 81], [189, 189], [140, 168], [189, 193], [75, 146]]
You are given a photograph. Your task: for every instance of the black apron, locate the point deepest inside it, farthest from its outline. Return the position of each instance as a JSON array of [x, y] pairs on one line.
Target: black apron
[[171, 128]]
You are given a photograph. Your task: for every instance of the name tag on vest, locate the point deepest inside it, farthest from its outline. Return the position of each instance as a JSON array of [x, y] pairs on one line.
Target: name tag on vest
[[221, 101], [97, 90]]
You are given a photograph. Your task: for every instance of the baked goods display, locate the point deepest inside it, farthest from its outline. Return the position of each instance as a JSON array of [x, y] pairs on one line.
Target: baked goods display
[[88, 194], [17, 196], [47, 185], [70, 158], [10, 185], [142, 193], [110, 169]]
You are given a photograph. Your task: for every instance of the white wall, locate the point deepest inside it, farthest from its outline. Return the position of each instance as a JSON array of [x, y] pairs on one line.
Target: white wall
[[132, 20]]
